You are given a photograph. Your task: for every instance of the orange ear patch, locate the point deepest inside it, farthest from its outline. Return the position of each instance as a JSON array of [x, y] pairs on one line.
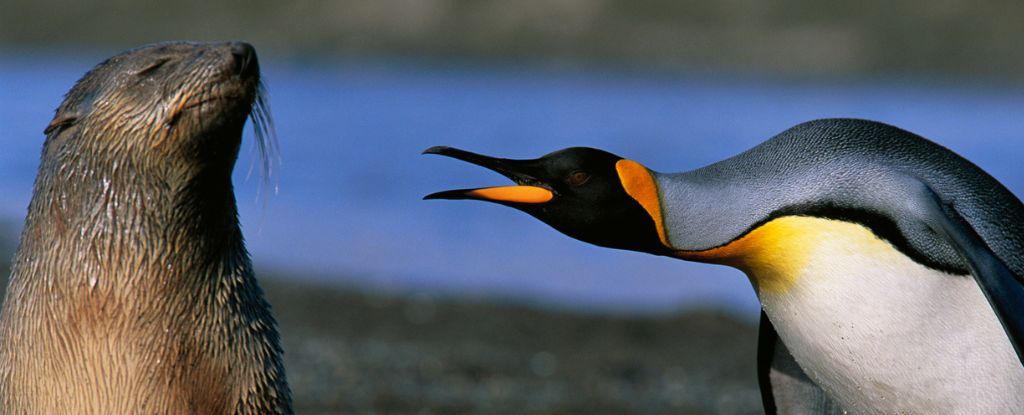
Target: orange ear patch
[[640, 185]]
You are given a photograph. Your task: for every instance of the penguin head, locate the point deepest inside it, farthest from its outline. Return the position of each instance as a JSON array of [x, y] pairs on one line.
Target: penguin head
[[581, 192]]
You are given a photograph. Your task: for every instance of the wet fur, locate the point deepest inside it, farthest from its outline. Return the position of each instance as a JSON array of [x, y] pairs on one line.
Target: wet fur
[[132, 291]]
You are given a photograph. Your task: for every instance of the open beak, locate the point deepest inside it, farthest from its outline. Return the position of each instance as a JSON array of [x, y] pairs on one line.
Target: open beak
[[528, 189]]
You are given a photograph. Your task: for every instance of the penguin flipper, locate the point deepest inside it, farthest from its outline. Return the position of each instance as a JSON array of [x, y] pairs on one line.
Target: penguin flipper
[[785, 388], [1002, 287]]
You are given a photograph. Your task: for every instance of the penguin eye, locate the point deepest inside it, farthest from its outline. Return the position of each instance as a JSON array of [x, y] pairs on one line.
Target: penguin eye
[[577, 178]]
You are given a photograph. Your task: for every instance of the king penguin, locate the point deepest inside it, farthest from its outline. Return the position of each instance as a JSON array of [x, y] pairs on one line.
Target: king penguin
[[889, 269]]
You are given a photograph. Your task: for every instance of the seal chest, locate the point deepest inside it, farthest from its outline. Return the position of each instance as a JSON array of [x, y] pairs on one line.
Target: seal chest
[[132, 291]]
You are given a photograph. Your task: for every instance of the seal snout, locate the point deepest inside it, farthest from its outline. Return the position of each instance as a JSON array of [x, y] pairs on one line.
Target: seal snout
[[244, 61]]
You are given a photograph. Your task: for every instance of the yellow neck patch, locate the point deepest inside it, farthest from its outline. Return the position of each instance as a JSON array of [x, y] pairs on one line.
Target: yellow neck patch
[[639, 185], [777, 253]]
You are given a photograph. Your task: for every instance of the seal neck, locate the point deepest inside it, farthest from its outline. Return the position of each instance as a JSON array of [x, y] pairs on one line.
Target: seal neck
[[118, 225]]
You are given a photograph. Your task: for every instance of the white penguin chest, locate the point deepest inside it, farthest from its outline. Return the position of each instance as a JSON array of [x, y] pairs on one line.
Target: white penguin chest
[[880, 332]]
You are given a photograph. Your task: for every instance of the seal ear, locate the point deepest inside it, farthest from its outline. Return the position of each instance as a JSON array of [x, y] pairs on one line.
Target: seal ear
[[60, 122]]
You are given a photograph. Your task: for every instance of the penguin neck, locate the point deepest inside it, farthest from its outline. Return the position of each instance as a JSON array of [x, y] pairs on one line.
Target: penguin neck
[[714, 221], [703, 211]]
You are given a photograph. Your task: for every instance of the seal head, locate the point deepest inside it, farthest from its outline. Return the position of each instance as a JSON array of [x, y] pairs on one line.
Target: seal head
[[169, 91]]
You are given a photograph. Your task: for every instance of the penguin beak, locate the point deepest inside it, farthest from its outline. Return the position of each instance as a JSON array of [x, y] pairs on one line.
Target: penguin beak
[[528, 189]]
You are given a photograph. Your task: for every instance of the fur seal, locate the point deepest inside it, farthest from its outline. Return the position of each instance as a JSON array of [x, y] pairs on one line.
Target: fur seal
[[131, 290]]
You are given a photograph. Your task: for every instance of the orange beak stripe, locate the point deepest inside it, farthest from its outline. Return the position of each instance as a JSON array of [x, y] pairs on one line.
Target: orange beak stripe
[[516, 194]]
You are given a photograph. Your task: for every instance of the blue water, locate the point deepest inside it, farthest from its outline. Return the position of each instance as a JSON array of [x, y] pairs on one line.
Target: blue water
[[347, 205]]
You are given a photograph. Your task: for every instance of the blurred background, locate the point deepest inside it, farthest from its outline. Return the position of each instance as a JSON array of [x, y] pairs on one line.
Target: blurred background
[[390, 304]]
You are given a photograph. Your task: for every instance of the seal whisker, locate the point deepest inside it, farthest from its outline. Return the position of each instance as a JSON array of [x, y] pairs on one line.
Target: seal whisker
[[265, 136]]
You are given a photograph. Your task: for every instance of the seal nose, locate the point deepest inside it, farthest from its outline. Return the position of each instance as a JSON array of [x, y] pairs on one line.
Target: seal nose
[[244, 56]]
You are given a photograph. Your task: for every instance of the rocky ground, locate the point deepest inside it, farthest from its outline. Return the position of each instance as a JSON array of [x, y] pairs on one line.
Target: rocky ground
[[356, 352]]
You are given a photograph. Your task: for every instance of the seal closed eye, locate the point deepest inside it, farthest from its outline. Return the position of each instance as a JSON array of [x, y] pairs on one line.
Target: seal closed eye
[[132, 291], [889, 268]]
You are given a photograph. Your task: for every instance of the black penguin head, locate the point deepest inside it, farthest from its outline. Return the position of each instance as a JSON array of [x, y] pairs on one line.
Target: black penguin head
[[579, 191]]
